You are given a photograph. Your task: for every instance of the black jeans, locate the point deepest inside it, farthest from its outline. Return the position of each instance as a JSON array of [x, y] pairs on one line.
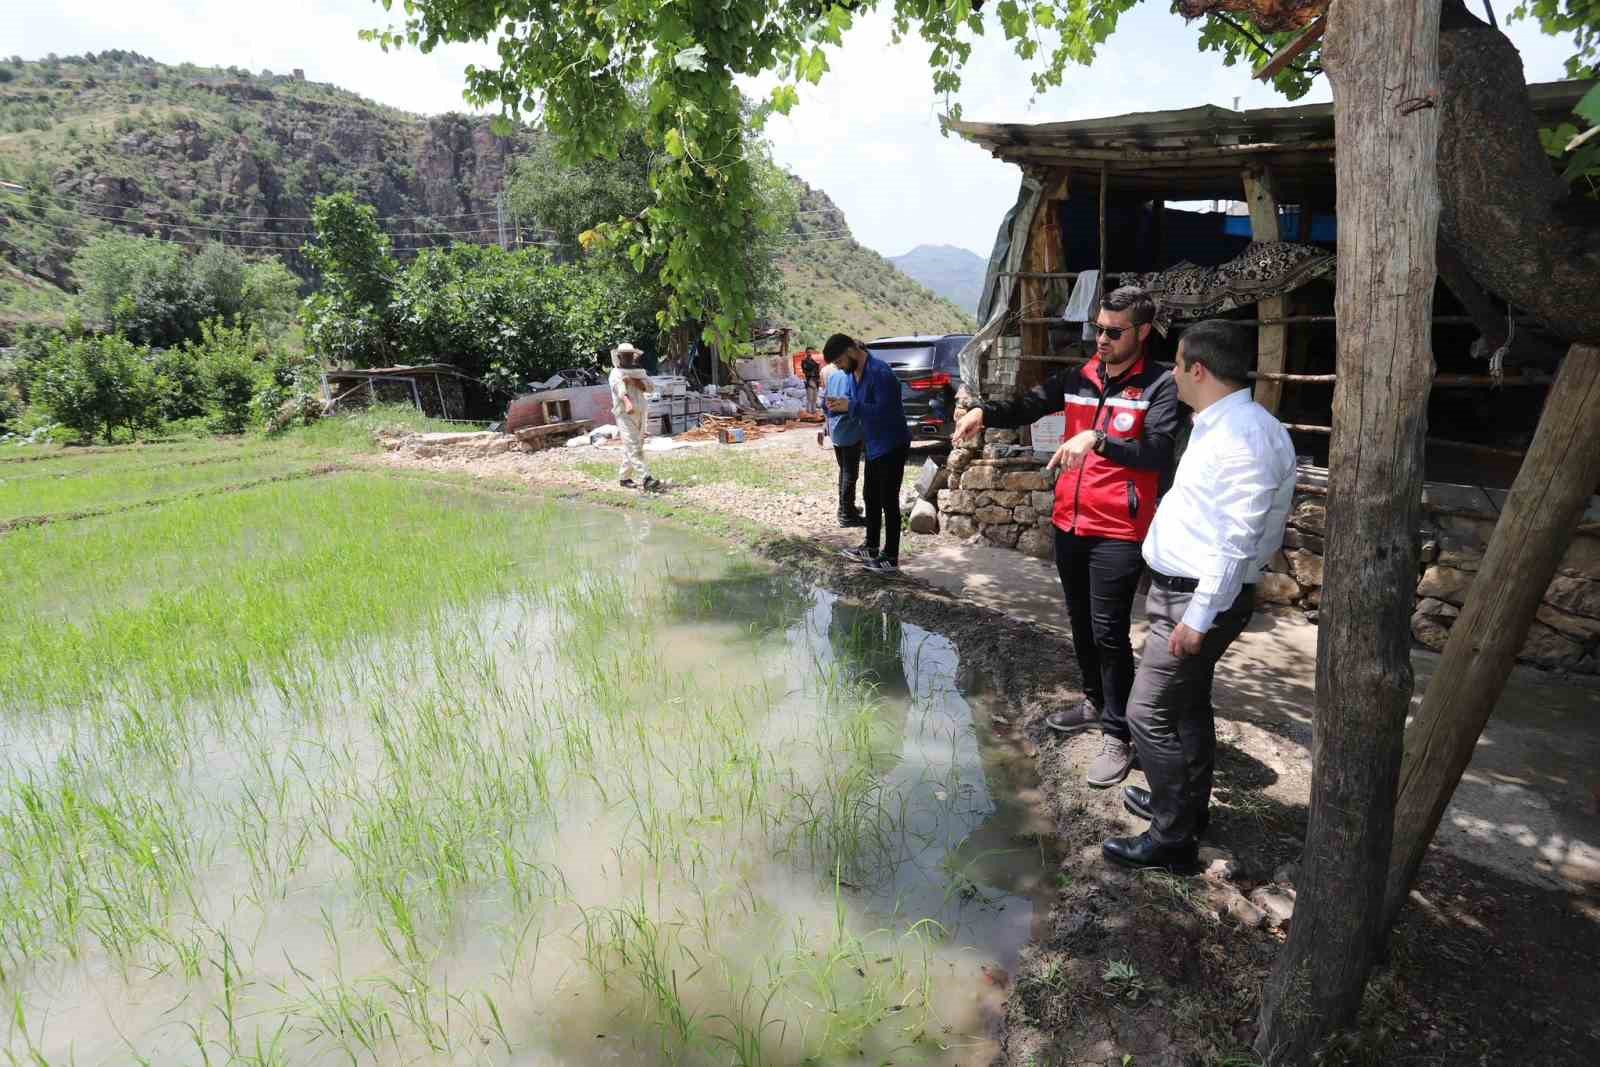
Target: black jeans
[[882, 492], [1174, 725], [849, 458], [1099, 578]]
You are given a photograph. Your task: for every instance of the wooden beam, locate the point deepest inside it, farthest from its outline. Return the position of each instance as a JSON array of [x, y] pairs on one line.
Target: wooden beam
[[1041, 260], [1295, 48], [1272, 342]]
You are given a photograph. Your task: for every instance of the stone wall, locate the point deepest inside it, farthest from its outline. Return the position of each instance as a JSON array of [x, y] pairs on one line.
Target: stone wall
[[1002, 495]]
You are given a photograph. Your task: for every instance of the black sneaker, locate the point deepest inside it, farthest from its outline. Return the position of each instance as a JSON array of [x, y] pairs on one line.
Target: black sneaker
[[862, 554], [1072, 720], [628, 483], [849, 521], [651, 484], [883, 568]]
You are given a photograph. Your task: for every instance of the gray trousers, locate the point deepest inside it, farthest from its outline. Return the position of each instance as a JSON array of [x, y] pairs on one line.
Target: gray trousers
[[1170, 713]]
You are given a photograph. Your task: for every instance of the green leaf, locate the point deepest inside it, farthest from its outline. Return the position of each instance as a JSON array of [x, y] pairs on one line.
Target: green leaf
[[816, 66], [1589, 106]]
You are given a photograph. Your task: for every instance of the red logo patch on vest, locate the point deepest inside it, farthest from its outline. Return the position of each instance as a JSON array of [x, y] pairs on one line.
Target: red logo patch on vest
[[1132, 393]]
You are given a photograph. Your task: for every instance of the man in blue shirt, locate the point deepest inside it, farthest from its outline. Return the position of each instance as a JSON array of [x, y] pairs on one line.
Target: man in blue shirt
[[844, 430], [875, 400]]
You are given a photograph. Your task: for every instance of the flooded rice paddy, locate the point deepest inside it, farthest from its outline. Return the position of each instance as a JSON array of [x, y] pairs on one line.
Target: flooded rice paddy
[[597, 791]]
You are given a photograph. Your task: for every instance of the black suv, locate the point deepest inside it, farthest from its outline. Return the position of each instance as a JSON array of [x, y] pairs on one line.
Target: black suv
[[929, 377]]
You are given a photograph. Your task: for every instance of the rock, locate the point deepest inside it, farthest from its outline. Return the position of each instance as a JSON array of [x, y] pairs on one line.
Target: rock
[[924, 518], [1040, 543], [1027, 481], [1430, 550], [979, 476], [1445, 583], [960, 459], [1430, 631], [1024, 516], [1550, 648], [1288, 874], [1228, 901], [960, 526], [1277, 904], [1219, 863], [1043, 501], [1461, 558], [992, 516], [1001, 498], [1313, 598], [1436, 608], [931, 479], [1576, 596], [1306, 566], [1003, 534], [1278, 564], [956, 502], [1277, 589], [1310, 516], [1583, 557]]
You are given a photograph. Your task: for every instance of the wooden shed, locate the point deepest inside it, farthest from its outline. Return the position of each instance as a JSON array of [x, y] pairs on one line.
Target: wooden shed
[[1145, 198]]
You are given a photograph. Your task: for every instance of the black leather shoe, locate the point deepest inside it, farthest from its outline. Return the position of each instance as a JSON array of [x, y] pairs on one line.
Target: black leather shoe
[[1142, 852], [852, 520], [1137, 803]]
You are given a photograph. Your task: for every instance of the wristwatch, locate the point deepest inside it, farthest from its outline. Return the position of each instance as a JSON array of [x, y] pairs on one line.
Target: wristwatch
[[1099, 442]]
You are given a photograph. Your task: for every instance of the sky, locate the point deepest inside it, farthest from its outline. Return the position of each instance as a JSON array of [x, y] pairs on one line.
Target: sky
[[868, 135]]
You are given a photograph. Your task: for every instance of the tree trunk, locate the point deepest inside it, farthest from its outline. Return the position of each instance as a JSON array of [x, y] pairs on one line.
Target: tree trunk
[[1382, 60], [1515, 225], [1529, 539]]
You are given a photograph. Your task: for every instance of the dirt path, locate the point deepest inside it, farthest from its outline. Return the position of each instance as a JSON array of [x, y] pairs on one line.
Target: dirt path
[[1494, 962]]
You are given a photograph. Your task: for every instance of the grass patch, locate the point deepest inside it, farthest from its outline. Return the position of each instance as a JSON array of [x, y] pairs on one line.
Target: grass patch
[[705, 467]]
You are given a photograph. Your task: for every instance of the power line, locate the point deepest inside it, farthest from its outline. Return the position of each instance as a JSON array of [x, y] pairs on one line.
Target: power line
[[268, 218]]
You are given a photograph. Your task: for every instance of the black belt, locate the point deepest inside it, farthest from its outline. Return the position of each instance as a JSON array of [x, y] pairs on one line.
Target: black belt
[[1174, 585]]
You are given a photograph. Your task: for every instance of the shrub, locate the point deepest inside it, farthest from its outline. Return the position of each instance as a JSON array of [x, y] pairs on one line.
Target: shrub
[[96, 385], [226, 361]]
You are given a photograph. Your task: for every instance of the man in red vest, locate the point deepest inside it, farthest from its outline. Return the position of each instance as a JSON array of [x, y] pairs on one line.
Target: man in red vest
[[1115, 461]]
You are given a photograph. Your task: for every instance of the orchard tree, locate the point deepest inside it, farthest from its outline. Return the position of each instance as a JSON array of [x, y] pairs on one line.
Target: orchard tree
[[1411, 104]]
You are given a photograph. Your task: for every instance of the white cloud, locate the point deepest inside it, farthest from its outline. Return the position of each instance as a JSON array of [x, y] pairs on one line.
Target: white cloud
[[868, 135]]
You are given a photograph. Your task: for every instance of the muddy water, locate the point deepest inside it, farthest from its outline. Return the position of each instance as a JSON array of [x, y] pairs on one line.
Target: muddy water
[[666, 806]]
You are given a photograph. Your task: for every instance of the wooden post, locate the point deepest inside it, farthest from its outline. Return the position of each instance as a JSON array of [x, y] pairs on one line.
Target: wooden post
[[1382, 61], [1532, 533], [1041, 256], [1271, 341], [1103, 176]]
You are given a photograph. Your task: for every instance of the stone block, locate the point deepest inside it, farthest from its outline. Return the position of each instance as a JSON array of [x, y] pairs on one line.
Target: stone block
[[1437, 609], [1576, 596], [979, 476], [931, 479], [960, 459], [1583, 557], [1549, 647], [1445, 583], [1005, 535], [1024, 516], [924, 518], [1313, 598], [1275, 902], [1462, 557], [1574, 626], [956, 502], [960, 526], [1045, 501], [1278, 564], [1463, 531], [1306, 566], [992, 516], [1002, 498], [1310, 516], [1040, 543], [1027, 481], [1430, 631], [1277, 589]]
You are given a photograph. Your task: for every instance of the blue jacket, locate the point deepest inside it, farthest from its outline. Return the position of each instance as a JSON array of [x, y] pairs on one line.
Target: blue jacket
[[876, 400], [845, 429]]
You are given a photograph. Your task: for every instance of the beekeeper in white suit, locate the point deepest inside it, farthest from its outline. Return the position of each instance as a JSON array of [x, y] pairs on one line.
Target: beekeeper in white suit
[[629, 383]]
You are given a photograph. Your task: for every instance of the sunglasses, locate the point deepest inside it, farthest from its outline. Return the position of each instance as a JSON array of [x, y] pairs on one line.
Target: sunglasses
[[1113, 332]]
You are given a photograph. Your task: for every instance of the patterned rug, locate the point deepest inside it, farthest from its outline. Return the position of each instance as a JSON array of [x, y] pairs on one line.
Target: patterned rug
[[1266, 268]]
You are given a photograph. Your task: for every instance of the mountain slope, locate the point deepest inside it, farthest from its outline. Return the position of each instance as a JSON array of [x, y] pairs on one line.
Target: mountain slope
[[954, 273], [120, 143], [834, 285]]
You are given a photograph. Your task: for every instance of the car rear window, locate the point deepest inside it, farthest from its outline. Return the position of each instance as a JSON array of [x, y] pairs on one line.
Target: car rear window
[[905, 357]]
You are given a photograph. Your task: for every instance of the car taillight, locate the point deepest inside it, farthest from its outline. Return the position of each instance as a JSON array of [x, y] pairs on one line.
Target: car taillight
[[937, 381]]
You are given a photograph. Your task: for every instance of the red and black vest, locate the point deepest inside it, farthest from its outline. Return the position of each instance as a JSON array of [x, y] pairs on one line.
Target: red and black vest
[[1104, 498]]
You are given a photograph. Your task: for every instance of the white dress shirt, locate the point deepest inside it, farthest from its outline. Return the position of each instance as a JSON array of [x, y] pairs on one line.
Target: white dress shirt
[[1223, 518]]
